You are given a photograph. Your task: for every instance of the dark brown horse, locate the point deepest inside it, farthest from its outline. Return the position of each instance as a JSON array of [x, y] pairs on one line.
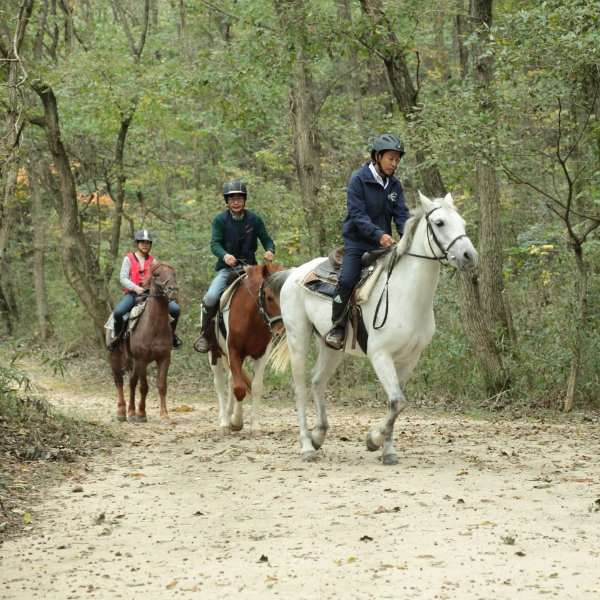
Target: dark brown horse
[[151, 340], [248, 335]]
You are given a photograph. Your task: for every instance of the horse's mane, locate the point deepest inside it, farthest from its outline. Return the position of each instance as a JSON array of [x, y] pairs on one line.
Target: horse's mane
[[153, 267], [275, 282]]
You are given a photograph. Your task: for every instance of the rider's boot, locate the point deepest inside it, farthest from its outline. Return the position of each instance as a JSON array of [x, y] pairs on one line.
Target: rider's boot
[[341, 297], [208, 313], [118, 329], [177, 343]]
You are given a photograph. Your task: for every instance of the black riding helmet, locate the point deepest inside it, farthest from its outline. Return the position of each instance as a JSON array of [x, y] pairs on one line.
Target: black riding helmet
[[387, 141], [234, 187], [143, 235]]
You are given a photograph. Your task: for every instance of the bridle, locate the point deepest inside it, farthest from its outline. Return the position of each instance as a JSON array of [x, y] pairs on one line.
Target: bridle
[[161, 285], [444, 257], [268, 321], [431, 236]]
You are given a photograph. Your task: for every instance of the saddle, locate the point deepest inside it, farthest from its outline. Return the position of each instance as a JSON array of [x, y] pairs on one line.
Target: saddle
[[233, 280], [325, 276]]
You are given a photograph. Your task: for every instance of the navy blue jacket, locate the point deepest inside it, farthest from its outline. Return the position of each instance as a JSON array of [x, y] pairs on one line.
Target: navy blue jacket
[[371, 210]]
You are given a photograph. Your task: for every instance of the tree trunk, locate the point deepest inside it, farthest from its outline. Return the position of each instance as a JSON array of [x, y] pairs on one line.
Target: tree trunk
[[307, 148], [39, 283], [480, 338], [460, 28], [352, 79], [77, 259], [580, 327]]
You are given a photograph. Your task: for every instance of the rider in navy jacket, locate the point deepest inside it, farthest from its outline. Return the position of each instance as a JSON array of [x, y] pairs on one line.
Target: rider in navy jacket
[[374, 199]]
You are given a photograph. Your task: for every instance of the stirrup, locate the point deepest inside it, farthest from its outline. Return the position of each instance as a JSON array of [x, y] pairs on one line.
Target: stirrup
[[177, 343], [335, 338], [114, 345]]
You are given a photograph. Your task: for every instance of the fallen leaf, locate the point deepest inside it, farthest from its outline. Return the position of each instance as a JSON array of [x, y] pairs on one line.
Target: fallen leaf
[[582, 480], [460, 501], [263, 558], [271, 579], [138, 475], [519, 553], [183, 408], [351, 559], [198, 514], [553, 575], [188, 450], [379, 510], [250, 458], [120, 517], [337, 562], [508, 539], [366, 538], [463, 473], [27, 518], [424, 556], [77, 489], [172, 585]]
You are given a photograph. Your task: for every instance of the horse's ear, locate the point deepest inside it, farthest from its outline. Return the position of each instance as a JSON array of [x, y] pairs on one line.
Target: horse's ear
[[265, 271], [449, 200], [426, 203]]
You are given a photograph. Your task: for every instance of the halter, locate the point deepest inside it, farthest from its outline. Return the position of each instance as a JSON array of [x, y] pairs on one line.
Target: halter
[[430, 235]]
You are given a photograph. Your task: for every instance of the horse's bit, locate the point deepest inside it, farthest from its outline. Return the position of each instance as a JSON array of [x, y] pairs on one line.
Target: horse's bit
[[162, 291]]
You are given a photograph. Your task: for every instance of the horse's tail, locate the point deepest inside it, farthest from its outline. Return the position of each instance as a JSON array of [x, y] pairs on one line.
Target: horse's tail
[[248, 379], [275, 282], [280, 353]]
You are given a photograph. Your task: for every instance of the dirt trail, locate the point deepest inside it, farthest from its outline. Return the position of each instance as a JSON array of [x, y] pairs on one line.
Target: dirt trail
[[182, 512]]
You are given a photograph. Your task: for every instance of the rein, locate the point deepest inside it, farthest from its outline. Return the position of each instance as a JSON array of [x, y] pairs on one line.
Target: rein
[[430, 235], [160, 285]]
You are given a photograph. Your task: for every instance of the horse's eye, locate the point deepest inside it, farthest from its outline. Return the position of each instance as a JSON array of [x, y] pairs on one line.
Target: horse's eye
[[270, 298], [439, 223]]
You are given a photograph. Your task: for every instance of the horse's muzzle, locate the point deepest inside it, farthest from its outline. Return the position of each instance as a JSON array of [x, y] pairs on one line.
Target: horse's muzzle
[[172, 291], [463, 256]]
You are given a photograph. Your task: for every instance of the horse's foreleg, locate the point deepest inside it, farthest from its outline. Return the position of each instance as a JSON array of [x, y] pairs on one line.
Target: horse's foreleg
[[133, 381], [258, 388], [386, 372], [116, 364], [236, 362], [326, 364], [224, 428], [163, 370], [143, 374]]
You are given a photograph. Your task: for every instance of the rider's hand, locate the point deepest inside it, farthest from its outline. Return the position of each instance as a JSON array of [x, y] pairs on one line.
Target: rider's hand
[[140, 290], [230, 260], [269, 256], [386, 240]]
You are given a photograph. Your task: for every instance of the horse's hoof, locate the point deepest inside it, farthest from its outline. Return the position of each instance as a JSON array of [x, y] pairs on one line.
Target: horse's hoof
[[256, 433], [235, 427], [390, 459], [371, 447], [142, 419], [132, 419], [224, 431], [121, 418], [308, 456], [314, 444]]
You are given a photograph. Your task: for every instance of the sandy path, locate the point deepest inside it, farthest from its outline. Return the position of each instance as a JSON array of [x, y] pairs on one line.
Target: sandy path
[[238, 517]]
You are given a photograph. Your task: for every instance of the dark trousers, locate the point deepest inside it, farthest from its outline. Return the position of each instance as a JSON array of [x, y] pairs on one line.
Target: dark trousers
[[351, 266], [128, 302]]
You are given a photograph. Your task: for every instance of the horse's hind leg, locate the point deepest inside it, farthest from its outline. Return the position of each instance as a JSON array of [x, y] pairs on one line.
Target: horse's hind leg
[[142, 369], [224, 428], [326, 364], [116, 364], [133, 381], [236, 362], [258, 387], [163, 370]]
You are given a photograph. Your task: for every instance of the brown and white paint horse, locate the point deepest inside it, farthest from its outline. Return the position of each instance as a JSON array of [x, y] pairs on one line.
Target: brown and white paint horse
[[151, 340], [247, 336]]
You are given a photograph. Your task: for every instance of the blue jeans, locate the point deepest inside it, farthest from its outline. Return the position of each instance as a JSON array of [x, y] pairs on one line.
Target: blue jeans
[[217, 287], [351, 267], [128, 302]]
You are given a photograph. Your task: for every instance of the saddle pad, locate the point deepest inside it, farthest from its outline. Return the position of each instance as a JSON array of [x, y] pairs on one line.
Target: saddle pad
[[226, 295], [136, 312]]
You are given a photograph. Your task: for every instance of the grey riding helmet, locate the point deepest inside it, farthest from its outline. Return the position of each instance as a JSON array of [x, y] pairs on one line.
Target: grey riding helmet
[[234, 187], [387, 141], [143, 235]]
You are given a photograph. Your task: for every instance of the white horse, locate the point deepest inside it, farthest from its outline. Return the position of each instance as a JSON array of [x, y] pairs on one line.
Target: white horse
[[435, 233]]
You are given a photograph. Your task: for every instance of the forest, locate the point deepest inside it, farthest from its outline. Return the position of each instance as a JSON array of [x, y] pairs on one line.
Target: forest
[[121, 115]]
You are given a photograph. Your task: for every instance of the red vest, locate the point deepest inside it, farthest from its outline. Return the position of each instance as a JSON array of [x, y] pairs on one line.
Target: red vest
[[136, 273]]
